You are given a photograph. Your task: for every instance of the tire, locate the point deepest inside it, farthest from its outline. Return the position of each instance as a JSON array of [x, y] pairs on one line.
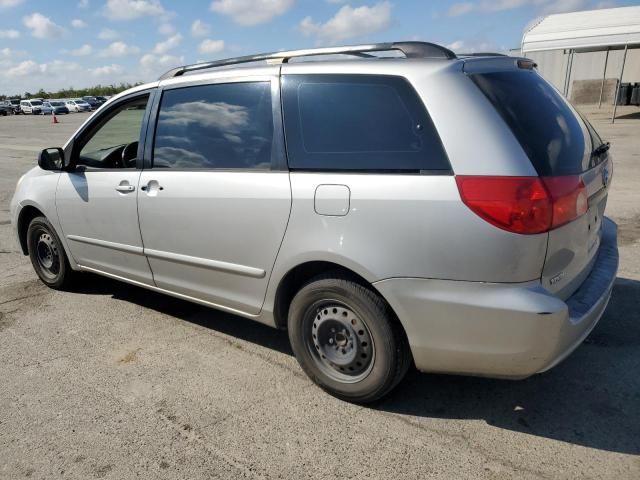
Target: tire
[[346, 339], [47, 254]]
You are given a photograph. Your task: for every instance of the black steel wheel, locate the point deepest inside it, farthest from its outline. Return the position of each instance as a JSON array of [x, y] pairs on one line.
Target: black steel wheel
[[346, 338], [47, 254], [339, 341]]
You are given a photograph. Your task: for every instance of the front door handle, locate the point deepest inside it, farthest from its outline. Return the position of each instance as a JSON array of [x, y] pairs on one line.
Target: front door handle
[[125, 188]]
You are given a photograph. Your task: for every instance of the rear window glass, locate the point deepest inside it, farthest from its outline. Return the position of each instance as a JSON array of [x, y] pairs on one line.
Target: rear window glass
[[358, 122], [550, 132]]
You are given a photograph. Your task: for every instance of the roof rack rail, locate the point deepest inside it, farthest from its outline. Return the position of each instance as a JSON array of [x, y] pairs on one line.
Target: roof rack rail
[[409, 49], [483, 54]]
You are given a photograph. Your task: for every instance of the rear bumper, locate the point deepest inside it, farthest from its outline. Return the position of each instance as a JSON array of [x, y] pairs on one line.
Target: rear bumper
[[500, 330]]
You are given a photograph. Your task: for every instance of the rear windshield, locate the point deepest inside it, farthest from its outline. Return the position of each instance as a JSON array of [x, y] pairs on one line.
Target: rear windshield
[[550, 132]]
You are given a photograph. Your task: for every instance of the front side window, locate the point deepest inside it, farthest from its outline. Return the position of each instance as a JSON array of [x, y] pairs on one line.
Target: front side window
[[358, 123], [219, 126], [113, 143]]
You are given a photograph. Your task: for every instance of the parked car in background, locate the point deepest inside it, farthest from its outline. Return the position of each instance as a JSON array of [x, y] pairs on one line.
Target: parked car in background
[[102, 99], [58, 107], [46, 108], [32, 107], [439, 210], [93, 101], [6, 108], [78, 105], [15, 103]]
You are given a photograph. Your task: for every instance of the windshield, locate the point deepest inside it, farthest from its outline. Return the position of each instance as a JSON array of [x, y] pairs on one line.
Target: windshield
[[36, 102], [55, 104], [552, 134]]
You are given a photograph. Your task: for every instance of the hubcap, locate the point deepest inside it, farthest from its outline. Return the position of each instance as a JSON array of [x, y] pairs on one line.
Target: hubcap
[[340, 342], [47, 255]]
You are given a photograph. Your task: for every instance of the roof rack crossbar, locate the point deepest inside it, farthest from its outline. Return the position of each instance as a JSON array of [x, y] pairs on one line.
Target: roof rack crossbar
[[409, 49]]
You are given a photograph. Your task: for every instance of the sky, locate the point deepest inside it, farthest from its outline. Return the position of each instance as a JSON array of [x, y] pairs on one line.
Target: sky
[[79, 43]]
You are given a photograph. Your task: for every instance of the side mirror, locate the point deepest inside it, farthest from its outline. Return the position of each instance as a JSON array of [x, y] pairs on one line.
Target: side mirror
[[51, 159]]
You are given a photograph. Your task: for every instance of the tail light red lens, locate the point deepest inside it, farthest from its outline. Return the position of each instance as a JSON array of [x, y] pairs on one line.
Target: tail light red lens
[[570, 199], [526, 205]]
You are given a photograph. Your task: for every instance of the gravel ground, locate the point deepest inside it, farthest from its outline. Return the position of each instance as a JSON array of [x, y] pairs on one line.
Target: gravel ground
[[113, 381]]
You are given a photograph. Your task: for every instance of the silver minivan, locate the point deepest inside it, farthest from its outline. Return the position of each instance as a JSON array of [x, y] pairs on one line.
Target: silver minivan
[[420, 208]]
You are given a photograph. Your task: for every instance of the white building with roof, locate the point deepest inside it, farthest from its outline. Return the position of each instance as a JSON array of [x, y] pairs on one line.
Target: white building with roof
[[587, 55]]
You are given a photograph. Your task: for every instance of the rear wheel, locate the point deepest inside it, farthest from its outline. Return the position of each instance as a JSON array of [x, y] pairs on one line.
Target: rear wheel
[[346, 339], [47, 255]]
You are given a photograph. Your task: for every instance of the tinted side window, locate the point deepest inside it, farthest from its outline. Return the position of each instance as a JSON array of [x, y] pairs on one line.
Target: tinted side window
[[358, 122], [215, 126]]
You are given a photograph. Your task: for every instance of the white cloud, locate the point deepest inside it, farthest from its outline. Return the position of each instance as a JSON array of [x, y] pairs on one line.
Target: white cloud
[[154, 65], [108, 34], [461, 9], [42, 27], [349, 22], [28, 67], [251, 12], [119, 49], [543, 6], [83, 4], [473, 46], [7, 53], [464, 8], [82, 51], [168, 44], [9, 3], [12, 34], [77, 23], [199, 29], [30, 75], [106, 70], [166, 29], [562, 6], [211, 46], [132, 9], [456, 46]]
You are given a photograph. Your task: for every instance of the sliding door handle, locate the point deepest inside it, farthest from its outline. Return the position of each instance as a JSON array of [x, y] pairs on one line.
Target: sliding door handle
[[151, 186]]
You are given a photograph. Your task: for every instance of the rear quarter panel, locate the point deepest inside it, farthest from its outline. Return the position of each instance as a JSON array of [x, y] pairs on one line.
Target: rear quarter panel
[[404, 226]]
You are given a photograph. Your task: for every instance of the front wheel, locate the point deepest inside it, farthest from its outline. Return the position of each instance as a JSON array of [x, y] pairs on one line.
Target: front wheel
[[47, 254], [346, 339]]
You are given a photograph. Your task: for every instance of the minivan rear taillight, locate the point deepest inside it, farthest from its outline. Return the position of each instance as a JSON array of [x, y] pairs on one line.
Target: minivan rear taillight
[[525, 205]]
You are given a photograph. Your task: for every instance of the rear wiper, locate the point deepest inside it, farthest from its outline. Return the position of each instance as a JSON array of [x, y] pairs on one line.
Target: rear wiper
[[601, 149]]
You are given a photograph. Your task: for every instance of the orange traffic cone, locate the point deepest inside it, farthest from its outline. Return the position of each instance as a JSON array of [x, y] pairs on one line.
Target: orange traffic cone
[[53, 117]]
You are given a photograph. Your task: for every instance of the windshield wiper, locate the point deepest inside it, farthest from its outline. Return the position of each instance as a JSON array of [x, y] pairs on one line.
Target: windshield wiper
[[601, 148]]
